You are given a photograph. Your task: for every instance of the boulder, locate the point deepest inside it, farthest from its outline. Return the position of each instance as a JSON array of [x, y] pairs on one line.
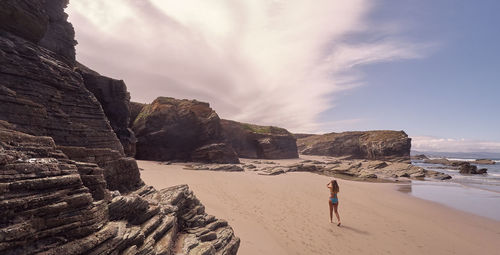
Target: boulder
[[253, 141], [173, 129], [115, 101], [468, 168], [381, 144]]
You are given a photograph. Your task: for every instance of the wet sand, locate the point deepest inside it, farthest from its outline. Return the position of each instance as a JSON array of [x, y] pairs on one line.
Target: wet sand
[[288, 214]]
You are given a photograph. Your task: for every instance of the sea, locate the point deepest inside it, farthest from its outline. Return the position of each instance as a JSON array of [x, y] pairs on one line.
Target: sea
[[477, 194]]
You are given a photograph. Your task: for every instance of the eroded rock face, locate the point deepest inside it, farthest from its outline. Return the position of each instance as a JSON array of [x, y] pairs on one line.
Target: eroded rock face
[[173, 129], [59, 37], [24, 18], [53, 205], [42, 95], [253, 141], [383, 145], [115, 100]]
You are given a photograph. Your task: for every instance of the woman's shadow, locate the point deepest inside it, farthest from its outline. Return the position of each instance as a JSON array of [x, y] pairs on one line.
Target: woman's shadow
[[355, 230]]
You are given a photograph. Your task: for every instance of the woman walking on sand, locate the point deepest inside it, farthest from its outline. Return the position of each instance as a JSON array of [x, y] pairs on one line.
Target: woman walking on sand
[[333, 202]]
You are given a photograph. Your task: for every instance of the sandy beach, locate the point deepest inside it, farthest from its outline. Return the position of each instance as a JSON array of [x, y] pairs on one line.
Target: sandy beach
[[288, 214]]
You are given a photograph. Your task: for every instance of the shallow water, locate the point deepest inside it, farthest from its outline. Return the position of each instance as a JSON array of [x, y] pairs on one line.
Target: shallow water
[[469, 199], [478, 194]]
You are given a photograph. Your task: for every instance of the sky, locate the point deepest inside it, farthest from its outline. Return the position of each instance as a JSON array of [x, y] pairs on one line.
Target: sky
[[430, 68]]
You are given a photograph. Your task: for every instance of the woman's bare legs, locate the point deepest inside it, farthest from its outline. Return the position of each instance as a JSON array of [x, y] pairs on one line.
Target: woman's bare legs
[[335, 207], [331, 210]]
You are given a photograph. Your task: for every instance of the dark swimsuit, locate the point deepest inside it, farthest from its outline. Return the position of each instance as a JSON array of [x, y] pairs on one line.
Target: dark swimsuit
[[334, 199]]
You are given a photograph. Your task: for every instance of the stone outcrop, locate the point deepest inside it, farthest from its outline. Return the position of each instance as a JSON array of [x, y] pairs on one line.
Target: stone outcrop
[[380, 145], [265, 142], [351, 169], [53, 205], [115, 100], [468, 168], [173, 129]]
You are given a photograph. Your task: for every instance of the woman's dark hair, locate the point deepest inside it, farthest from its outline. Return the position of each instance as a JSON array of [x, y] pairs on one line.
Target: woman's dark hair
[[335, 186]]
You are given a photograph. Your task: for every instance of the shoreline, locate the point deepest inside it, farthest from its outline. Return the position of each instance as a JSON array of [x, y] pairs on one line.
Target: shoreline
[[288, 214]]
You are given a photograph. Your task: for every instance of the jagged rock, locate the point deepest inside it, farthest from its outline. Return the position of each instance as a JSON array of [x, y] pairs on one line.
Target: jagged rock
[[44, 202], [59, 37], [312, 161], [383, 145], [41, 95], [121, 173], [47, 208], [169, 129], [468, 168], [217, 167], [115, 100], [253, 141]]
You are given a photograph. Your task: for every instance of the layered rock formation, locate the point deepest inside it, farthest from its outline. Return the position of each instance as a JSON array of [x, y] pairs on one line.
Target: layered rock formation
[[188, 130], [115, 100], [66, 187], [265, 142], [53, 205], [383, 145]]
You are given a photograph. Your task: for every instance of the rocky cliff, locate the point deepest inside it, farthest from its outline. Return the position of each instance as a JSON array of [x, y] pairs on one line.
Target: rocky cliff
[[383, 145], [114, 98], [66, 186], [265, 142], [188, 130]]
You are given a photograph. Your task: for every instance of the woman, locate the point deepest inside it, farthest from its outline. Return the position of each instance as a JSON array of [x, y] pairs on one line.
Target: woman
[[333, 202]]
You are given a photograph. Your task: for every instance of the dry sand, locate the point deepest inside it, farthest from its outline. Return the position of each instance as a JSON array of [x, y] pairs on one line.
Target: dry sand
[[288, 214]]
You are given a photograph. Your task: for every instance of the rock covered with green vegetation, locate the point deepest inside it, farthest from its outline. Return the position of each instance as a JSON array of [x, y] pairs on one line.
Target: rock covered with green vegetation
[[254, 141]]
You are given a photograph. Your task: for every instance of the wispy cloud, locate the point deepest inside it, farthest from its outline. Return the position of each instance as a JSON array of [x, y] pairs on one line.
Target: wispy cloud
[[260, 61], [435, 144]]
